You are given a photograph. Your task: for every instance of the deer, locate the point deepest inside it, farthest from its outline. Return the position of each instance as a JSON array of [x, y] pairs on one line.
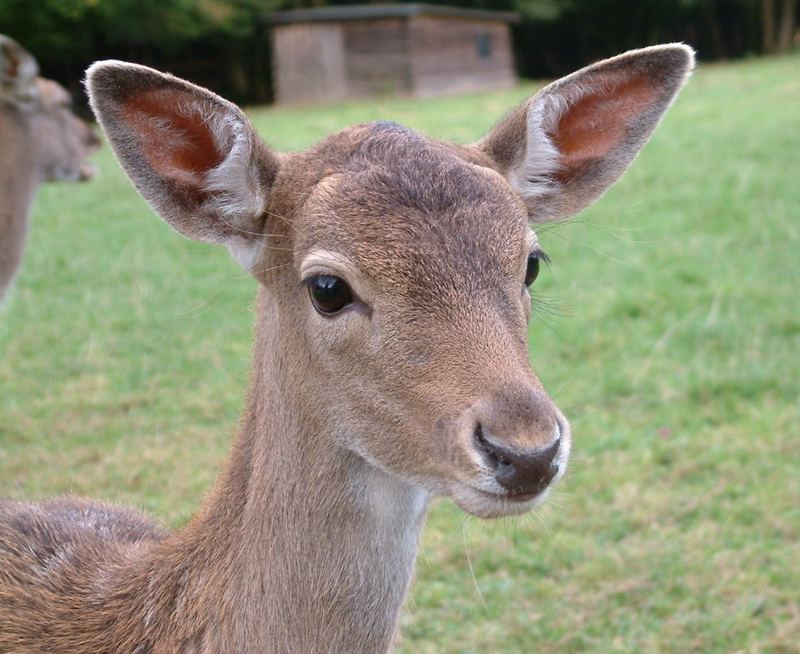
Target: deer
[[390, 364], [42, 141]]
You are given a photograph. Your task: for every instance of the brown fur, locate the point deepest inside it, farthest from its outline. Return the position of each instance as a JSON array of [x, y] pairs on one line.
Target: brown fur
[[42, 141], [307, 541]]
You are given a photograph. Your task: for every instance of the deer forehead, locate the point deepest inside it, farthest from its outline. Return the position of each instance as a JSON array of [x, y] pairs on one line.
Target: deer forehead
[[399, 206]]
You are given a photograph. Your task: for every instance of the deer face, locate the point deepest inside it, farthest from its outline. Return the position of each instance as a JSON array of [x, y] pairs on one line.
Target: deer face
[[64, 142], [399, 266], [58, 142], [408, 285]]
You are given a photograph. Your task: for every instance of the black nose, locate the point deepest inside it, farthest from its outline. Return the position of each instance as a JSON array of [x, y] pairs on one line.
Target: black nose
[[520, 472]]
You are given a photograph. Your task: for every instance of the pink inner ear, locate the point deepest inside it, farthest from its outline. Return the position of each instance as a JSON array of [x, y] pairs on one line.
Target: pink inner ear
[[174, 136], [11, 63], [597, 122]]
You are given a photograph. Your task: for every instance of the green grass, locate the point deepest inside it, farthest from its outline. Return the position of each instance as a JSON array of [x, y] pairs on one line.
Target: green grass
[[668, 330]]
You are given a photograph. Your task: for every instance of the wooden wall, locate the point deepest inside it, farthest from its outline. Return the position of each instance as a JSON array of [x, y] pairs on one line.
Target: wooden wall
[[457, 55], [309, 64], [376, 57], [417, 55]]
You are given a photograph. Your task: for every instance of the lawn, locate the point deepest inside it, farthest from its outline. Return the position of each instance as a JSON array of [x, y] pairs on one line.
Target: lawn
[[667, 328]]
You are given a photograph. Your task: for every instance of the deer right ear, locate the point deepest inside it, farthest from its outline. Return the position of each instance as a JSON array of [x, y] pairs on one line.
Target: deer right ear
[[565, 146], [18, 72], [191, 154]]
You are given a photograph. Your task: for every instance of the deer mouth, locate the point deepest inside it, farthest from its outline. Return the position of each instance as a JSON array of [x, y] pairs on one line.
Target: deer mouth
[[515, 497], [489, 504], [482, 486], [87, 171]]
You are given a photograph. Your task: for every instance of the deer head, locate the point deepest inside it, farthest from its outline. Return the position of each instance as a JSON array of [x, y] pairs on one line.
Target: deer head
[[395, 268], [58, 141], [41, 140]]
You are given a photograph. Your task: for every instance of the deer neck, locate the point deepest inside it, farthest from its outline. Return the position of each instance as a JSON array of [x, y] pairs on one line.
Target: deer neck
[[18, 181], [314, 547]]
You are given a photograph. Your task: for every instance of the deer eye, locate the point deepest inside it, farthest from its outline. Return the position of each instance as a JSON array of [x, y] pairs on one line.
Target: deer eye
[[329, 294], [532, 270]]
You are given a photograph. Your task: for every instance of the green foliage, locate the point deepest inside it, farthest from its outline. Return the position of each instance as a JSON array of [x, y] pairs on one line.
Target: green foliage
[[666, 329], [68, 24], [46, 25], [66, 35], [542, 9]]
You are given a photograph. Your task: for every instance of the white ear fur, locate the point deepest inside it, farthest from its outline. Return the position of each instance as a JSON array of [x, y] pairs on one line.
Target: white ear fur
[[248, 253], [534, 178], [18, 72], [566, 145], [234, 188]]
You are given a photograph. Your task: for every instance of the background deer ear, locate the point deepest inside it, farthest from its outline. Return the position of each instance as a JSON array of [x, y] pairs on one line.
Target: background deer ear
[[565, 146], [191, 154], [18, 72]]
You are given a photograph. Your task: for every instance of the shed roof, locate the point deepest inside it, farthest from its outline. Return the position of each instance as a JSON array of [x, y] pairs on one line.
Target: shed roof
[[363, 12]]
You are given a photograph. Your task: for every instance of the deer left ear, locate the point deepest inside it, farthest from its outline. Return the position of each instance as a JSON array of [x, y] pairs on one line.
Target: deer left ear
[[565, 146], [18, 72], [191, 154]]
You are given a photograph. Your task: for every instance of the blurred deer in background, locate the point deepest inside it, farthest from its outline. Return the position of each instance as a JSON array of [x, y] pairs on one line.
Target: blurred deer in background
[[41, 140], [390, 364]]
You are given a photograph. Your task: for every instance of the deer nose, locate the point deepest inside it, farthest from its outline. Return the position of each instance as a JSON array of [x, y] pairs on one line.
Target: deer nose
[[521, 472], [92, 141]]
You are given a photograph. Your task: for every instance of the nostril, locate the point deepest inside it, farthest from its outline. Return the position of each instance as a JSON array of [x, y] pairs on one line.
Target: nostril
[[481, 442], [549, 453], [492, 453], [546, 457], [480, 439]]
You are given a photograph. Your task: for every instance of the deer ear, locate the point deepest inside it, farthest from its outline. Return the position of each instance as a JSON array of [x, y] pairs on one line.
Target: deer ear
[[565, 146], [18, 72], [191, 154]]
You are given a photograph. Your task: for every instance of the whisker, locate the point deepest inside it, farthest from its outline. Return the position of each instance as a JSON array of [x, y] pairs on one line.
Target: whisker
[[245, 274], [552, 227], [605, 255], [467, 518], [238, 229], [202, 307], [285, 220], [550, 305], [616, 233], [472, 571], [551, 327]]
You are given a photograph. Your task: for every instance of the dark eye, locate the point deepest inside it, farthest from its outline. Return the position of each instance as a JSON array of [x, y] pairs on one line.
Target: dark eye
[[329, 294], [532, 271]]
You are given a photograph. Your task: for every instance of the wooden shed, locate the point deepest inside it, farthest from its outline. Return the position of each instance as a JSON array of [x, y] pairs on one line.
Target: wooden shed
[[334, 53]]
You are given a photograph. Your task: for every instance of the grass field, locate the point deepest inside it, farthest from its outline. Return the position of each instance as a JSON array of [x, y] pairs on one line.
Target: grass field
[[667, 329]]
